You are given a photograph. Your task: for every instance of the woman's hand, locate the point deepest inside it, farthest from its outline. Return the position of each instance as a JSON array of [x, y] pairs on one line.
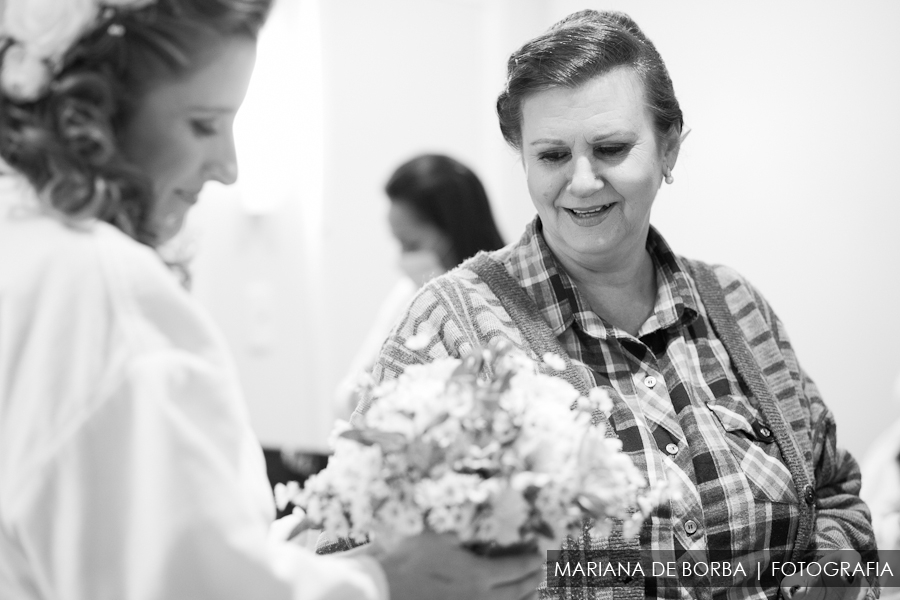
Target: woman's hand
[[435, 566], [837, 586]]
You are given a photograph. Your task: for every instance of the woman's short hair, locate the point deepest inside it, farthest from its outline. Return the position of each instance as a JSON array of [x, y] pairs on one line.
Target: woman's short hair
[[445, 193], [66, 141], [578, 48]]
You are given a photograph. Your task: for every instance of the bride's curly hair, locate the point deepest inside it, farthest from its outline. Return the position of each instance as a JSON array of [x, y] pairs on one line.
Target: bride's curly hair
[[66, 142]]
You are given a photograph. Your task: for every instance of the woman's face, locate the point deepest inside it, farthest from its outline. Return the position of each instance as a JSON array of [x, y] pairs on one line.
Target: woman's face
[[423, 247], [593, 166], [180, 134]]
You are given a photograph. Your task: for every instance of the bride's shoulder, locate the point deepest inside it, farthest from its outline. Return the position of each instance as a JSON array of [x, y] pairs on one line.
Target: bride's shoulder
[[50, 259]]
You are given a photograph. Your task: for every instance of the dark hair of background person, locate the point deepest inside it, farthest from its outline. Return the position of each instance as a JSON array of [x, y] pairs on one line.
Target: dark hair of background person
[[580, 47], [65, 142], [448, 195]]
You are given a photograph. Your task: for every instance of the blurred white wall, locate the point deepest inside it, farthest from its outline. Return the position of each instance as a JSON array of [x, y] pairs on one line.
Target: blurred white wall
[[788, 176]]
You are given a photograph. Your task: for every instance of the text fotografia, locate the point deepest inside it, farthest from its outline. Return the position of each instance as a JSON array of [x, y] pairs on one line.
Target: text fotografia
[[588, 571]]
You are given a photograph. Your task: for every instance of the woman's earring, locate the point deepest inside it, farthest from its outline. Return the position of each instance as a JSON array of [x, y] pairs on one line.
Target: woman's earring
[[668, 176]]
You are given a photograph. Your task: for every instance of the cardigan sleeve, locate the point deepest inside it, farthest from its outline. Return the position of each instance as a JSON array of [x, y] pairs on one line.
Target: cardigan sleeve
[[843, 520]]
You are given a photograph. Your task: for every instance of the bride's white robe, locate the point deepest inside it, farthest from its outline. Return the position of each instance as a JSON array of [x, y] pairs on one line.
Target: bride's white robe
[[128, 469]]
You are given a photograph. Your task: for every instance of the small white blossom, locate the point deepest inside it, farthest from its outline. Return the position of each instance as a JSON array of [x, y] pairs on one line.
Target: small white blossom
[[555, 361], [23, 76], [421, 339], [418, 342], [284, 494], [632, 526], [600, 398]]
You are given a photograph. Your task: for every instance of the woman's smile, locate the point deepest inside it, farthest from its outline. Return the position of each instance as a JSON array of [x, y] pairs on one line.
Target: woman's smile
[[592, 215]]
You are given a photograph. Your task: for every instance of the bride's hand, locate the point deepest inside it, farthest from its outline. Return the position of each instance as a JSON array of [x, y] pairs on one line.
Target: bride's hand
[[292, 528]]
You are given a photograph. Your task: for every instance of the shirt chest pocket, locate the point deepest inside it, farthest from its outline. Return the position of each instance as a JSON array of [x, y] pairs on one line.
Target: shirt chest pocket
[[753, 446]]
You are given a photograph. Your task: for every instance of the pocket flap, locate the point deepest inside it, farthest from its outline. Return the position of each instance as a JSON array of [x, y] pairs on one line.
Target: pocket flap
[[736, 415]]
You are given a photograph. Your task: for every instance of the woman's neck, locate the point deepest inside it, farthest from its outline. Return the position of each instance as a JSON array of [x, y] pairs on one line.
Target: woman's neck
[[623, 293]]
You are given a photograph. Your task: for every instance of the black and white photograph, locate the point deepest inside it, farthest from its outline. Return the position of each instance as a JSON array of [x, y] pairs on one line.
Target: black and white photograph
[[449, 299]]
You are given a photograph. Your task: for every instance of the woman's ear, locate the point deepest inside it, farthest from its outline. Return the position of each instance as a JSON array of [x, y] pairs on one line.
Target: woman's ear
[[673, 146]]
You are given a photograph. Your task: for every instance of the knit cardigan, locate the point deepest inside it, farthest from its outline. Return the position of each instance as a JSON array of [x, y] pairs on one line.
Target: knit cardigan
[[480, 301]]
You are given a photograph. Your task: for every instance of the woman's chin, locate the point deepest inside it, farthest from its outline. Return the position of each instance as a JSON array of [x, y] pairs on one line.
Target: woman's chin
[[586, 243]]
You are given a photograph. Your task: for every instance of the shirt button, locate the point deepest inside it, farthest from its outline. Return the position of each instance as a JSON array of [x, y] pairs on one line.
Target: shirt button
[[765, 431], [672, 449], [690, 527], [650, 381]]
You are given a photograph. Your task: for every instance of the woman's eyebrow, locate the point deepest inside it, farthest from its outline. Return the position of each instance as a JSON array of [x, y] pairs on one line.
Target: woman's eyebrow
[[546, 141], [617, 133]]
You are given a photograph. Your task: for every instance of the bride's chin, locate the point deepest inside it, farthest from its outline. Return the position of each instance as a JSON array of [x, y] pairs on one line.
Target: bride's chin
[[169, 228]]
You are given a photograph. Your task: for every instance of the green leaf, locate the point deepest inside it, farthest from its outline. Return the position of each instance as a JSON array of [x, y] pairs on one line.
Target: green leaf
[[389, 441]]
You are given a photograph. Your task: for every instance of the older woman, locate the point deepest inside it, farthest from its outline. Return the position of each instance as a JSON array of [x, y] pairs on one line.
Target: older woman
[[709, 395], [128, 467]]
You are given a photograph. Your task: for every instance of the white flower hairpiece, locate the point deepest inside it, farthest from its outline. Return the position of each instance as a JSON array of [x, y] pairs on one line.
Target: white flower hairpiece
[[38, 34]]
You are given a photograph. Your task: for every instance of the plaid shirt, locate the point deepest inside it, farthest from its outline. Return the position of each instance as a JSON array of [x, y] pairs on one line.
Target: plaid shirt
[[682, 414]]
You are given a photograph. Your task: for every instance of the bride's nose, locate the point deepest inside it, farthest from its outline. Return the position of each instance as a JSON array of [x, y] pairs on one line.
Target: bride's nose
[[221, 162], [584, 181]]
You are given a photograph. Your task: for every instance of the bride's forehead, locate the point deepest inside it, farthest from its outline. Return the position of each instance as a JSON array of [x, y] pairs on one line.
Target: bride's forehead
[[217, 83]]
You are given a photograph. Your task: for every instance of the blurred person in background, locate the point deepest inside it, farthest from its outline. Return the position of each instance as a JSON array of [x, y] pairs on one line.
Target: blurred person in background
[[440, 215], [128, 466]]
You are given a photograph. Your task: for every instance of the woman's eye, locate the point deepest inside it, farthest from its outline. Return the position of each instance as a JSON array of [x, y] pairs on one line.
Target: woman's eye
[[203, 127], [553, 156], [611, 150]]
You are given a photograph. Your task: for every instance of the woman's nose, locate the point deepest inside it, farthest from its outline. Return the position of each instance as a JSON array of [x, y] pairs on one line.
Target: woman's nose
[[584, 181], [222, 166]]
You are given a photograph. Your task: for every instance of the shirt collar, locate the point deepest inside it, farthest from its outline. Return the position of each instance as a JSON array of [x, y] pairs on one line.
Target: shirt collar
[[542, 277], [676, 298]]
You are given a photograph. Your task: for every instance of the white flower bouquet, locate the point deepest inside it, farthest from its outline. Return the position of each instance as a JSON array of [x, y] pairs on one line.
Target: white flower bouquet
[[500, 461]]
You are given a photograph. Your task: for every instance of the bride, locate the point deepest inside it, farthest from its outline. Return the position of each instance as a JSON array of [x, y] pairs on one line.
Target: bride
[[128, 468]]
